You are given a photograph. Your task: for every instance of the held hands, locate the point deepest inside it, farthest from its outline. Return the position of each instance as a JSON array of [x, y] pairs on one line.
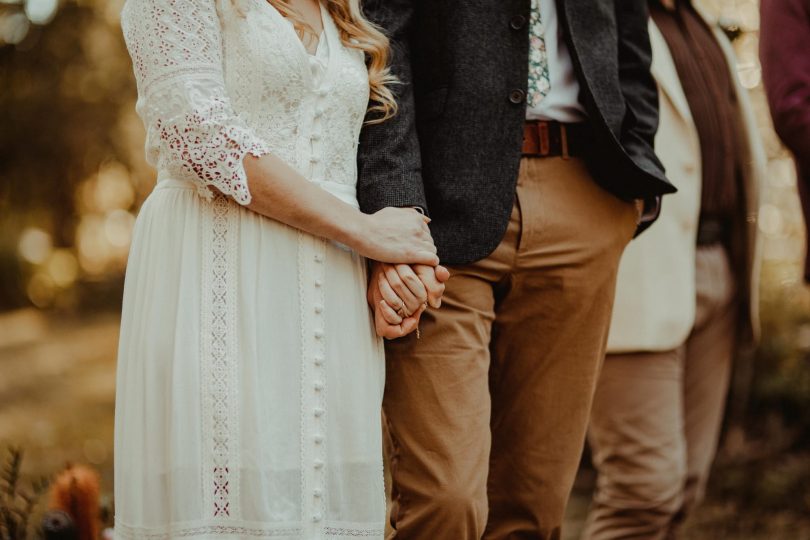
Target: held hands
[[406, 276], [400, 293]]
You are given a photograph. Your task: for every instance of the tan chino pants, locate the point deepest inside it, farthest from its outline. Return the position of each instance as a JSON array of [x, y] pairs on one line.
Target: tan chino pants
[[657, 417], [486, 414]]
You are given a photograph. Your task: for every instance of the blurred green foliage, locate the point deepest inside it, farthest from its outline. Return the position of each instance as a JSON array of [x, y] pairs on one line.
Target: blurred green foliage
[[67, 92]]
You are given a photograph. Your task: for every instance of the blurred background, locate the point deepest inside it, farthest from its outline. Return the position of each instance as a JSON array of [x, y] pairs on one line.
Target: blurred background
[[72, 177]]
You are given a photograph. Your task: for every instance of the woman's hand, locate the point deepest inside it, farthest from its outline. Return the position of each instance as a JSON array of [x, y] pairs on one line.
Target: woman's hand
[[396, 235]]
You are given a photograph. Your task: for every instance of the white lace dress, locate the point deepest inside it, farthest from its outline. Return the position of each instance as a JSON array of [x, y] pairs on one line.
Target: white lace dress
[[249, 376]]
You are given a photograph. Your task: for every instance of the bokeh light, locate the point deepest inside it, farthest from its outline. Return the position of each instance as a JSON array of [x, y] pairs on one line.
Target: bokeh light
[[118, 228], [14, 27], [41, 11], [62, 268], [35, 245]]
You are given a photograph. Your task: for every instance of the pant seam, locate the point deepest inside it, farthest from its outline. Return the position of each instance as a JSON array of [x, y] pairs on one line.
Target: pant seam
[[394, 464]]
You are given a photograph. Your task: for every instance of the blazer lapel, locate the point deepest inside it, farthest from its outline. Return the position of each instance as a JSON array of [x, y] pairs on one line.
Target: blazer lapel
[[665, 73]]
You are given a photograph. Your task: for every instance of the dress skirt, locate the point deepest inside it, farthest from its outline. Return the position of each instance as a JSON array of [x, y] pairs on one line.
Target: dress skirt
[[250, 380]]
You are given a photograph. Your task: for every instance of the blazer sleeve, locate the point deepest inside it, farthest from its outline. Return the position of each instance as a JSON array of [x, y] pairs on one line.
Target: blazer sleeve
[[389, 160], [637, 84], [784, 32], [192, 132]]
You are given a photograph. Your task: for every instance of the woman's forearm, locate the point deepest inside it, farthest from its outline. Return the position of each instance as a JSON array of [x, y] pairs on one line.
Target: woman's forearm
[[279, 192], [394, 235]]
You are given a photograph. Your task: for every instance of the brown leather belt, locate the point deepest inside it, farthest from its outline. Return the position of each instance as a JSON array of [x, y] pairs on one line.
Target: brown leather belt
[[542, 138]]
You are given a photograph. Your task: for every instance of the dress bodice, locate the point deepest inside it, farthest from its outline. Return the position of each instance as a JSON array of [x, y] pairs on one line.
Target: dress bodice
[[220, 79]]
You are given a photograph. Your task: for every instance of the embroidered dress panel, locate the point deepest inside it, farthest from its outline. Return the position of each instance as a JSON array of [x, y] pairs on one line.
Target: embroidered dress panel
[[249, 375], [539, 80]]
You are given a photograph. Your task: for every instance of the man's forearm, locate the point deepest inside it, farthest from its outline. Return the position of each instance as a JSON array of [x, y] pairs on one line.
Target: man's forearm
[[389, 159]]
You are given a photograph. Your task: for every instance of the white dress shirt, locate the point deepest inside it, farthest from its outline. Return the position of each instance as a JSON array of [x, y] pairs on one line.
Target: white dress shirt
[[562, 102]]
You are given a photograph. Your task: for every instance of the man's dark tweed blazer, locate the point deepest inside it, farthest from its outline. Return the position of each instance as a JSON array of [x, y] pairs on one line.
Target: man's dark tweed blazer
[[454, 148]]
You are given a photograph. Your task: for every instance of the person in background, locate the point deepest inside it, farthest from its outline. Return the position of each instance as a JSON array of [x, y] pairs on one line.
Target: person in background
[[784, 36], [686, 293]]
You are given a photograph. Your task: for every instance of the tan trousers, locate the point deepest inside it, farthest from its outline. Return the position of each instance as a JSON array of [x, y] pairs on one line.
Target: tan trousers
[[487, 412], [657, 416]]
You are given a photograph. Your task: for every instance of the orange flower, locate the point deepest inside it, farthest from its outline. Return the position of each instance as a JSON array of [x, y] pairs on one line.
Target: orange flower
[[76, 491]]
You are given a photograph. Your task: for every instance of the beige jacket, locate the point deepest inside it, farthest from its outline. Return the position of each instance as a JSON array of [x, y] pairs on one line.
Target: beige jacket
[[655, 296]]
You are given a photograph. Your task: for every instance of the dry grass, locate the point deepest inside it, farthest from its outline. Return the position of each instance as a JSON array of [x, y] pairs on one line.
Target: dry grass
[[57, 390]]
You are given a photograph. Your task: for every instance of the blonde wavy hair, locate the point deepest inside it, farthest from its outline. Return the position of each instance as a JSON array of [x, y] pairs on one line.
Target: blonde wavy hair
[[356, 32]]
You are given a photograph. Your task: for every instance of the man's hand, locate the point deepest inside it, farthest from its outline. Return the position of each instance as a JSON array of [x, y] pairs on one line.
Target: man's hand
[[433, 278], [399, 294]]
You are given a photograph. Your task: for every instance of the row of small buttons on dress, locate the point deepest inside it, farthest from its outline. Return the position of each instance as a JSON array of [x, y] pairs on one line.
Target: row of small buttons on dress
[[318, 323], [315, 137], [318, 385]]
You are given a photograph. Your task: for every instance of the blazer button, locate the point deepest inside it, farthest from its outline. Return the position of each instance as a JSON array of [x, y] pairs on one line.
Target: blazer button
[[517, 22], [517, 96]]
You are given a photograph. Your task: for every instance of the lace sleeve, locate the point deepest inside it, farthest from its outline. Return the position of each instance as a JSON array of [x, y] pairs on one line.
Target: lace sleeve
[[192, 131]]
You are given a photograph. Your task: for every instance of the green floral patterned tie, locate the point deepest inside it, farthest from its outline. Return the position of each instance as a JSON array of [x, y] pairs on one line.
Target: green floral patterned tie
[[539, 83]]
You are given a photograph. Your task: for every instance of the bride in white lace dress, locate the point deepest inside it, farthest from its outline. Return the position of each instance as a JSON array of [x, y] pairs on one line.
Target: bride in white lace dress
[[250, 378]]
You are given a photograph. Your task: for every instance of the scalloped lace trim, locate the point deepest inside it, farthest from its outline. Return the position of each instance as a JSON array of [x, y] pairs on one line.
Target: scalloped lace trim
[[208, 147]]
